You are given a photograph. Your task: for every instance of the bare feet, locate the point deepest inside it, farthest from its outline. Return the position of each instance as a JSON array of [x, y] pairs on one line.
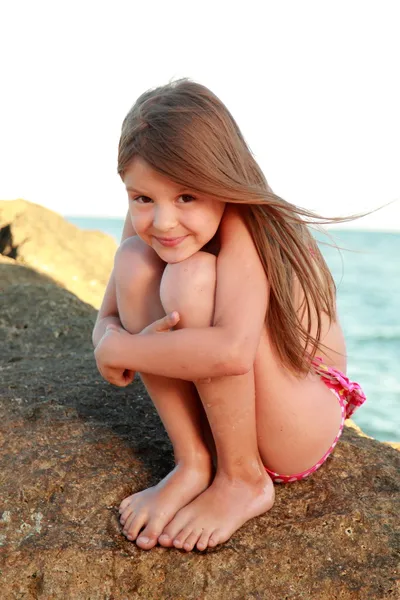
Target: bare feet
[[155, 507], [216, 514]]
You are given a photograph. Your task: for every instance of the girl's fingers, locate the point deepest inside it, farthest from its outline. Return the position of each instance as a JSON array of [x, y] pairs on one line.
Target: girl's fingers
[[167, 322], [163, 324], [174, 318], [128, 376], [113, 327]]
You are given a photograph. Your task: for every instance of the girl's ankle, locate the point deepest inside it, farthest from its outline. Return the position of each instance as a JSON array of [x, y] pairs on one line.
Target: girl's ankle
[[194, 459], [251, 473]]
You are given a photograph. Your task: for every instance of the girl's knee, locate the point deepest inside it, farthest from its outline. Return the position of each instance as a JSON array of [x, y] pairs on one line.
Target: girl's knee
[[137, 281], [189, 288], [135, 260], [186, 277]]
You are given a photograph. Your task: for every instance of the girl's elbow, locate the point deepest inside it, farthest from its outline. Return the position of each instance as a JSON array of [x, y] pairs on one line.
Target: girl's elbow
[[244, 351], [225, 368], [239, 363], [242, 366]]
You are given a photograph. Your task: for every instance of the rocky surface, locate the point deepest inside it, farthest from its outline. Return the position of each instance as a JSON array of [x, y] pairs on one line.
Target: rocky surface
[[72, 446], [81, 261]]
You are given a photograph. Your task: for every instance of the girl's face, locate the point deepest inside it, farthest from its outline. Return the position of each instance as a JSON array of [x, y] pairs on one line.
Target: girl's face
[[159, 208]]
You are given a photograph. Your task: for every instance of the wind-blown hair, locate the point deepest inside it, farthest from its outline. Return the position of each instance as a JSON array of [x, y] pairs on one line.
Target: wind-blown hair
[[183, 131]]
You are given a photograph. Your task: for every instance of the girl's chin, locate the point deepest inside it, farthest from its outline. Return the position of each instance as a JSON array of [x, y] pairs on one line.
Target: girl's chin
[[172, 255]]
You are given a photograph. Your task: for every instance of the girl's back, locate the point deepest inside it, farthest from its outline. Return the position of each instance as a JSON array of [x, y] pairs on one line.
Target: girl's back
[[331, 335]]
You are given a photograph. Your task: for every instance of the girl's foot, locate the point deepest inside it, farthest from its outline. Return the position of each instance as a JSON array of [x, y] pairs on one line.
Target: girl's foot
[[216, 514], [155, 507]]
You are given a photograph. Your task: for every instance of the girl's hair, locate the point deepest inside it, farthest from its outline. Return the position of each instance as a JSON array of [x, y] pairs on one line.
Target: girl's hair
[[183, 131]]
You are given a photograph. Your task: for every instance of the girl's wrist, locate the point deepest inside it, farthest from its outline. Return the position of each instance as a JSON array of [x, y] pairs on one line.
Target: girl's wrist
[[100, 327]]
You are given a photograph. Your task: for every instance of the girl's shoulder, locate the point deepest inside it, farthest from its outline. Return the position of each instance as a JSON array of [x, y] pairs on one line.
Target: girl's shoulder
[[214, 245], [229, 223]]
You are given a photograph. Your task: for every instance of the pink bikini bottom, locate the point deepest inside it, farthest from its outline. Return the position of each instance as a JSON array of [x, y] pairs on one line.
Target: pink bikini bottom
[[350, 396]]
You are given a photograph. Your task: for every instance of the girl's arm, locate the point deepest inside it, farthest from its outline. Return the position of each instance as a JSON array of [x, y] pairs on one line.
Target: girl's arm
[[128, 230], [189, 354], [108, 312], [229, 347]]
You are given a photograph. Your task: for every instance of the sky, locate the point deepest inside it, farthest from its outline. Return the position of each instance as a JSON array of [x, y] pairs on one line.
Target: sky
[[313, 86]]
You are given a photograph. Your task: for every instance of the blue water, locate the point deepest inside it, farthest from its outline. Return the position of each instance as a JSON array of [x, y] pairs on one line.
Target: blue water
[[367, 275]]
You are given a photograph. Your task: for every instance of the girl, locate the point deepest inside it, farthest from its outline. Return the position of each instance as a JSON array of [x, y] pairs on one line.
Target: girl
[[222, 301]]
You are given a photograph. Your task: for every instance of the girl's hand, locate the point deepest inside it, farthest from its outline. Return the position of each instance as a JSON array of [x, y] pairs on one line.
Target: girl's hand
[[164, 324], [109, 352], [109, 357]]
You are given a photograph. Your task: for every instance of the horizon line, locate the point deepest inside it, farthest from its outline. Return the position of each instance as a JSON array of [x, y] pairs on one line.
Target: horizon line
[[338, 227]]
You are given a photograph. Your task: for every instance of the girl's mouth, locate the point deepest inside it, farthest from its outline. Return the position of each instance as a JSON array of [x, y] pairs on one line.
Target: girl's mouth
[[170, 241]]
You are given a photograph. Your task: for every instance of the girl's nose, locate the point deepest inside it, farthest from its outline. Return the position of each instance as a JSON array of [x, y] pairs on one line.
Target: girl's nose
[[164, 220]]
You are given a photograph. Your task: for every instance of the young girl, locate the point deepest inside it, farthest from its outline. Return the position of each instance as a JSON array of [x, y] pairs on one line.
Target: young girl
[[222, 301]]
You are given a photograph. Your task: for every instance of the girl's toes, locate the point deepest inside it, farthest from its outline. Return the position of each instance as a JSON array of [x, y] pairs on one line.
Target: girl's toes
[[191, 541], [124, 504], [149, 536], [148, 541], [128, 522], [203, 541], [165, 540], [180, 539], [125, 515], [174, 528], [214, 539], [132, 527]]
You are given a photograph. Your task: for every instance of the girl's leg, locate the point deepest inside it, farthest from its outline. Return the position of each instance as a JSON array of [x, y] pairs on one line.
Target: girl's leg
[[265, 417], [297, 418], [241, 489], [138, 300]]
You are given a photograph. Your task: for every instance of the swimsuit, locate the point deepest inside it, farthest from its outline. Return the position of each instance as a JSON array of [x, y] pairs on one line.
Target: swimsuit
[[350, 397]]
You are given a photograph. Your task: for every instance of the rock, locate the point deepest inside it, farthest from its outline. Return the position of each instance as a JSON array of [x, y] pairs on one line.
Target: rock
[[395, 445], [35, 236], [350, 423], [72, 446]]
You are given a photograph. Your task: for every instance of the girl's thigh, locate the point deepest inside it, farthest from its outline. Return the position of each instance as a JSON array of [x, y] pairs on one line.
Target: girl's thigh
[[297, 418]]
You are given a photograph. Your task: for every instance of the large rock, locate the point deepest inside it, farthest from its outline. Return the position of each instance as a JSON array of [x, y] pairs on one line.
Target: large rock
[[35, 236], [72, 446]]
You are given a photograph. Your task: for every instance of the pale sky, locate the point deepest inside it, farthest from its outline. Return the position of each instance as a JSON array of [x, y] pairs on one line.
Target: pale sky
[[313, 86]]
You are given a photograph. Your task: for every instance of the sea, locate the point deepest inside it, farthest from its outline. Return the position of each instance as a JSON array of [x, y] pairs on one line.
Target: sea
[[366, 269]]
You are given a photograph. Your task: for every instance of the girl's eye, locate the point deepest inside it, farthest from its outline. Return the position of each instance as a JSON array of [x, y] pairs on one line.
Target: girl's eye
[[138, 198], [187, 196]]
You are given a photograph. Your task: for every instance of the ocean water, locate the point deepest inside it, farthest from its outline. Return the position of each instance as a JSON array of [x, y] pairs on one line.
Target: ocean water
[[366, 270]]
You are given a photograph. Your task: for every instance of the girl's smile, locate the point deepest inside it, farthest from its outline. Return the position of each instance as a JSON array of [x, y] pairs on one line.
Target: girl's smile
[[170, 241]]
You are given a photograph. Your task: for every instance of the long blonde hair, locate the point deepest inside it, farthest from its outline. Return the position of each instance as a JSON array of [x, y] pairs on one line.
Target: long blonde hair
[[183, 131]]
